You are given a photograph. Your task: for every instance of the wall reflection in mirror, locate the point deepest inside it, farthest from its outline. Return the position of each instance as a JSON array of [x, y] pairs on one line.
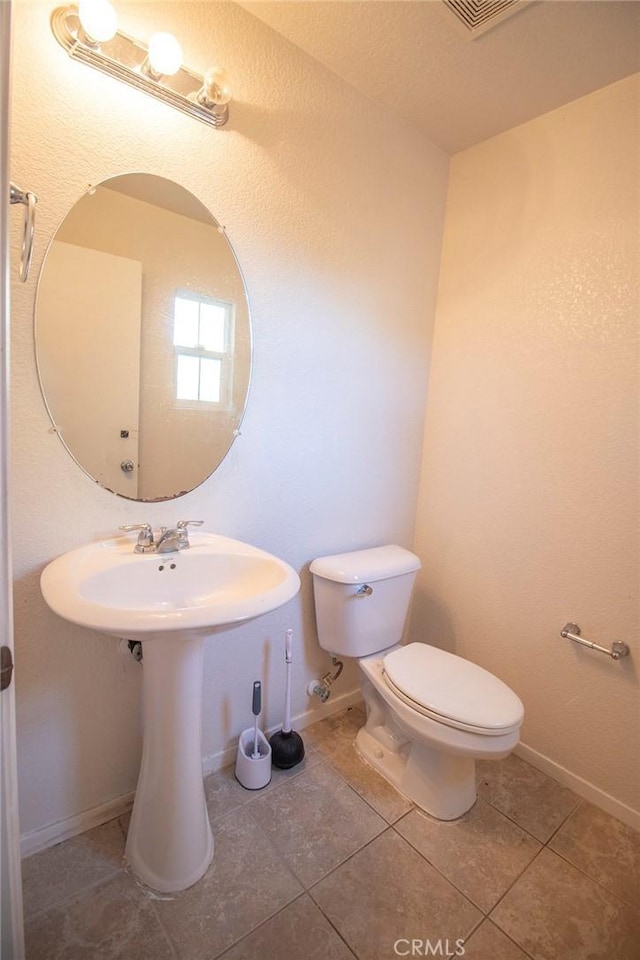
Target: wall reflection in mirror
[[143, 338]]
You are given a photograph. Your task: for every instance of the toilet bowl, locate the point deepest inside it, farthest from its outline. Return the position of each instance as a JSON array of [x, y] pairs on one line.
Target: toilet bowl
[[430, 714], [429, 755]]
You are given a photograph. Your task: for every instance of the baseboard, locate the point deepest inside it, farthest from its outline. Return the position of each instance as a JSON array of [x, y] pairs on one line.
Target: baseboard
[[216, 761], [582, 787], [54, 833]]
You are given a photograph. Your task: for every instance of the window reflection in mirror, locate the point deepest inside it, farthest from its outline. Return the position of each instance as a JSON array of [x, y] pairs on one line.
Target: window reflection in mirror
[[143, 337], [203, 338]]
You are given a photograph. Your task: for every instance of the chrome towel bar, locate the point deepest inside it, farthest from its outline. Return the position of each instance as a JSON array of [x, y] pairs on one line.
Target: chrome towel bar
[[619, 649], [16, 195]]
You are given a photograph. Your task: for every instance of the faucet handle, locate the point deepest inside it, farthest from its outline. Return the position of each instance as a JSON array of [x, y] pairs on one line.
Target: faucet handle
[[183, 533], [145, 536]]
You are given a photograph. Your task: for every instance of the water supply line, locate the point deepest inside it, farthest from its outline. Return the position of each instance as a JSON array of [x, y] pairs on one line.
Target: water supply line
[[135, 649], [322, 688]]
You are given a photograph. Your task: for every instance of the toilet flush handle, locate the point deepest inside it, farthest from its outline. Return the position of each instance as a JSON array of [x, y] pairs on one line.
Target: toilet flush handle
[[364, 590]]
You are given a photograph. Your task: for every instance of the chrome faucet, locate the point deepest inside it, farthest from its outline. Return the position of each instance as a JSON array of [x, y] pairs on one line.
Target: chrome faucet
[[168, 539]]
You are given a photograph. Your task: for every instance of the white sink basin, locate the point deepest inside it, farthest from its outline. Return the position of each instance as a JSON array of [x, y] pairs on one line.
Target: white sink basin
[[173, 600], [216, 581]]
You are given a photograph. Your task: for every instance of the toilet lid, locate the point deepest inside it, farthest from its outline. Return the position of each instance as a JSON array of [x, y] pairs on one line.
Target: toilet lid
[[455, 689]]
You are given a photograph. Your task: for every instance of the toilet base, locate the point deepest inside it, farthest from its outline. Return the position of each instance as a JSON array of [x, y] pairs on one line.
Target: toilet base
[[441, 784]]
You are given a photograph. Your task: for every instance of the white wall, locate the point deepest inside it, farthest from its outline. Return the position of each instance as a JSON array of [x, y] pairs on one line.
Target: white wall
[[528, 513], [335, 216]]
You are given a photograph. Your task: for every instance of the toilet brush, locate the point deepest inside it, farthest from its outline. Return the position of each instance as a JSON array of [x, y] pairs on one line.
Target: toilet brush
[[256, 708], [287, 748], [253, 759]]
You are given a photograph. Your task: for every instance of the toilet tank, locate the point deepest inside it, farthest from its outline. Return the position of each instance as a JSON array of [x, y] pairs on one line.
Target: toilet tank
[[362, 599]]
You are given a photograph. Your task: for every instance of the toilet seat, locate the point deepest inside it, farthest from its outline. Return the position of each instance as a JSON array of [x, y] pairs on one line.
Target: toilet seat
[[451, 690]]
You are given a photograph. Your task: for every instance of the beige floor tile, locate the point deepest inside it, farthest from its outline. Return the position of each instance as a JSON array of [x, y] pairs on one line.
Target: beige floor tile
[[489, 943], [374, 885], [554, 912], [280, 777], [246, 884], [333, 732], [373, 788], [60, 872], [605, 848], [530, 798], [299, 932], [224, 793], [316, 822], [482, 853], [388, 893], [114, 921]]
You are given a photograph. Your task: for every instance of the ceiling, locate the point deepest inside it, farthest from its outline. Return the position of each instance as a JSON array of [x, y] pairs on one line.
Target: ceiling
[[411, 57]]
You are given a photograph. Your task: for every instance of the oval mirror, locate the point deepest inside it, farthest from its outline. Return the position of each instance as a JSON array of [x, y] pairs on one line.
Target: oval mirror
[[143, 339]]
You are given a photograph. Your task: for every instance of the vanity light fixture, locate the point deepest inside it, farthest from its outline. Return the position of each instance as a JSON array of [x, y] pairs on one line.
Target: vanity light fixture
[[89, 33]]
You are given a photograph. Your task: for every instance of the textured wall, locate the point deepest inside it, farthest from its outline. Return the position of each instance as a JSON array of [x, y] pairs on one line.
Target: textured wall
[[336, 220], [528, 513]]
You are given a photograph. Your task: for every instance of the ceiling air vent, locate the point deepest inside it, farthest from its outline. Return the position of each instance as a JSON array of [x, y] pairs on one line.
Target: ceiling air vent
[[475, 17]]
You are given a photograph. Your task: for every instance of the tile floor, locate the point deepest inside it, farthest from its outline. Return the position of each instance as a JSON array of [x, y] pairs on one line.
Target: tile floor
[[330, 863]]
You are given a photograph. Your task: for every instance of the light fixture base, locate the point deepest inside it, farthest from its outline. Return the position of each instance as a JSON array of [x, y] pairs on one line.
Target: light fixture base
[[123, 57]]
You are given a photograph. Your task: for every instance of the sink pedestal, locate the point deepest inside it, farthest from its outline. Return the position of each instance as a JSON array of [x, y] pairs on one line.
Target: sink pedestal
[[170, 844], [170, 602]]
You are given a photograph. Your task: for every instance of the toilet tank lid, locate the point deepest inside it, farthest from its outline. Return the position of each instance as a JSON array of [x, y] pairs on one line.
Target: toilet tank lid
[[361, 566]]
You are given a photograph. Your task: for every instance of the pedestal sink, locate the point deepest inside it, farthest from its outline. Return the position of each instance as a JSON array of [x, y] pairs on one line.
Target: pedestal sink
[[170, 602]]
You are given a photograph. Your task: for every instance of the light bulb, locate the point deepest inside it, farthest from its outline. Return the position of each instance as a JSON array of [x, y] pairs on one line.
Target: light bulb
[[215, 88], [98, 19], [165, 54]]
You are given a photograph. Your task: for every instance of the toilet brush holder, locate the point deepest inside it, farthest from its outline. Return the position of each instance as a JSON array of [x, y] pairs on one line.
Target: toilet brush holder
[[251, 771]]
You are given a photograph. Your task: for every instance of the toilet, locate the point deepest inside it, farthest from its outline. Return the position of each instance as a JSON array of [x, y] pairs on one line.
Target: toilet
[[430, 714]]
